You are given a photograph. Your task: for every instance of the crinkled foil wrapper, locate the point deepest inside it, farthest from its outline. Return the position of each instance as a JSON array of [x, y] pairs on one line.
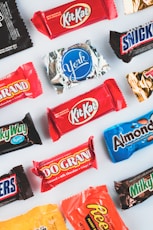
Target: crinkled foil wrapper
[[61, 82], [141, 83], [132, 6]]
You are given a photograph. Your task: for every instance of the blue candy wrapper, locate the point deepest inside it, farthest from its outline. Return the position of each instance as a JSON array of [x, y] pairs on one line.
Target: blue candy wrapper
[[123, 139]]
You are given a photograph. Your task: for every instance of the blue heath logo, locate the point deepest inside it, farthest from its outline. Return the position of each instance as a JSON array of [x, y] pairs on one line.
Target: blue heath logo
[[77, 64]]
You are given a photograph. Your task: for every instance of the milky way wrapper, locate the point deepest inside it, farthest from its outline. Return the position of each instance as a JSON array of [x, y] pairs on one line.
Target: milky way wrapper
[[92, 209], [67, 67], [44, 217], [73, 15], [133, 6], [136, 189], [14, 35], [133, 42], [141, 83], [123, 139], [18, 135]]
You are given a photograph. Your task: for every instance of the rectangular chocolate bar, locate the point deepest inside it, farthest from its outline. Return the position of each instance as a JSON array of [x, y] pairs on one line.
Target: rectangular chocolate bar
[[18, 135], [133, 42], [136, 189], [86, 107], [14, 186], [124, 139], [14, 35], [73, 15]]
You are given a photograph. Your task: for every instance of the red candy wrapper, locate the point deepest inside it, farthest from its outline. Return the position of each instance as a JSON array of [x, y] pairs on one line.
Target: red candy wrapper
[[80, 110], [92, 209], [73, 15], [61, 167], [20, 84]]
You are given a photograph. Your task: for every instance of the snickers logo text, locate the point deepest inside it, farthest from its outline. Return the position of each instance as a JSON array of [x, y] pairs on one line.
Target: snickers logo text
[[14, 89], [136, 37], [8, 187], [83, 111], [75, 15]]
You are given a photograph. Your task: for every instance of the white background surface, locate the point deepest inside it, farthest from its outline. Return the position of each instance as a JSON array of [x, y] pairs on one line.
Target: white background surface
[[136, 218]]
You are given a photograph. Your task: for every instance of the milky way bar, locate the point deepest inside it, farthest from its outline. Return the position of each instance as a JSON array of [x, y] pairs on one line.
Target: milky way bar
[[65, 165], [14, 36], [73, 15], [128, 44], [141, 83], [67, 67], [18, 135], [132, 6], [14, 186], [135, 189], [123, 139]]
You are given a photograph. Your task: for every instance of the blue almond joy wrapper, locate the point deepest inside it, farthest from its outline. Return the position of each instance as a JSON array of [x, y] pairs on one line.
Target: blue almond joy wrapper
[[123, 139]]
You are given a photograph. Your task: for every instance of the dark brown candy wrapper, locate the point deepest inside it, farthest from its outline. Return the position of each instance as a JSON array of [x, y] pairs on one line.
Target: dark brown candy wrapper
[[14, 35], [135, 189], [18, 135], [131, 43], [14, 186]]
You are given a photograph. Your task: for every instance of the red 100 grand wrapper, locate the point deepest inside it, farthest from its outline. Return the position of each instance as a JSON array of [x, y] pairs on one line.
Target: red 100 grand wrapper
[[73, 15], [61, 167], [20, 84], [84, 108]]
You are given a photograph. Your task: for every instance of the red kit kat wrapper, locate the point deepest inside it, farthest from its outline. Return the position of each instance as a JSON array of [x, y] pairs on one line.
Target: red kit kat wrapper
[[66, 165], [73, 15], [84, 108], [20, 84]]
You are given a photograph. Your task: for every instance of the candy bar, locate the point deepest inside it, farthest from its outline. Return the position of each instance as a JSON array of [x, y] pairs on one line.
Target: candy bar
[[123, 139], [20, 84], [128, 44], [92, 209], [84, 108], [67, 67], [14, 34], [141, 83], [133, 6], [44, 217], [63, 166], [18, 135], [14, 186], [136, 189], [73, 15]]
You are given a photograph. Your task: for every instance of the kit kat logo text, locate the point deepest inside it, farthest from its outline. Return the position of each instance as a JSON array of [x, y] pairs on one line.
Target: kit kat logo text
[[11, 90], [75, 15], [83, 111]]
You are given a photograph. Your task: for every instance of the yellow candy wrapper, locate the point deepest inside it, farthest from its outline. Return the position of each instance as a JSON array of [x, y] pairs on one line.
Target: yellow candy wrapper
[[46, 217]]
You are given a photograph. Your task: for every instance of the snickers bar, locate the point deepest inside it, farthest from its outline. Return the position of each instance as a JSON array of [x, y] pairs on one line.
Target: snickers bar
[[14, 186], [128, 44]]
